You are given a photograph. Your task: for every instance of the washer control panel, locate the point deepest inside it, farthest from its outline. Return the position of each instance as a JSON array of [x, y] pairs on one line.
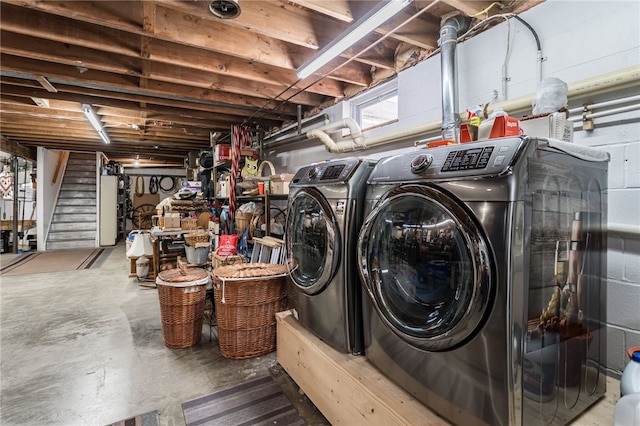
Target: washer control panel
[[331, 172], [467, 159]]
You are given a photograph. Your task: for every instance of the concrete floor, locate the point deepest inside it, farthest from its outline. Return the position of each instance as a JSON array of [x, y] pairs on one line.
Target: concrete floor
[[85, 348]]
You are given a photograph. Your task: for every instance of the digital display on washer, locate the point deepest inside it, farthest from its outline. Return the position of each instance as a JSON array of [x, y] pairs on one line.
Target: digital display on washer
[[332, 172], [467, 159]]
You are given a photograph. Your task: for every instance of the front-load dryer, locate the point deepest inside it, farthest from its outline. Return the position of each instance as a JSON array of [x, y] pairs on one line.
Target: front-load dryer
[[324, 217], [484, 272]]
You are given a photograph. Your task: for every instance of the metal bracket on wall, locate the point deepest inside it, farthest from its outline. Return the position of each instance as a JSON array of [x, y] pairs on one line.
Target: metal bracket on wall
[[587, 122]]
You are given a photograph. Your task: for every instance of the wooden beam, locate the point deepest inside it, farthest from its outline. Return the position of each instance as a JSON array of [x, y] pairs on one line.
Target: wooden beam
[[124, 99], [13, 148], [62, 161]]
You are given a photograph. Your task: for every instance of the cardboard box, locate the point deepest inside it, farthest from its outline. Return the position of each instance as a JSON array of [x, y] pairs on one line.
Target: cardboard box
[[554, 126], [171, 222], [280, 183], [222, 153]]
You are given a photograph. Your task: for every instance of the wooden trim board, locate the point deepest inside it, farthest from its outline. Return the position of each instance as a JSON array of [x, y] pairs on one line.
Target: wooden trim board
[[348, 390]]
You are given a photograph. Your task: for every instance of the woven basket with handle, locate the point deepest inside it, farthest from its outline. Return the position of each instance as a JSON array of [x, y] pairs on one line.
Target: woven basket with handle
[[247, 297], [199, 235]]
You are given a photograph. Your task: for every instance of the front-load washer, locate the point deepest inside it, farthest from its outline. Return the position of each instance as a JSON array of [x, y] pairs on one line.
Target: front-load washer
[[484, 272], [324, 217]]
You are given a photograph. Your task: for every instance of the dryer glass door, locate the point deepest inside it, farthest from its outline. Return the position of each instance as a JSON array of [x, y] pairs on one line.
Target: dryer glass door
[[426, 267], [312, 241]]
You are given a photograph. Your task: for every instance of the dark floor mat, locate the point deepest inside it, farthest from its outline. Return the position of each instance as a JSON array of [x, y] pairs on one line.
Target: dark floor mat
[[257, 402]]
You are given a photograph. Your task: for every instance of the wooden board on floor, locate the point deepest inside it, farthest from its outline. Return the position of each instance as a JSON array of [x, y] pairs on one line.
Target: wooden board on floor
[[347, 389]]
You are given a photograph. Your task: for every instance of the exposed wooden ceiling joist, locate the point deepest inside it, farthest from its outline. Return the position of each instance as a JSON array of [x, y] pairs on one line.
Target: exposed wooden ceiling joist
[[165, 74]]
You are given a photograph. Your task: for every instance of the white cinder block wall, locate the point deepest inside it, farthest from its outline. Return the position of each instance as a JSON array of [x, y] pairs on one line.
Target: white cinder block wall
[[580, 40]]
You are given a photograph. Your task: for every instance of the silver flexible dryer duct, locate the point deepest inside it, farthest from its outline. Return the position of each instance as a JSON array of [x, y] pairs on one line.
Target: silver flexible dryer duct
[[449, 31]]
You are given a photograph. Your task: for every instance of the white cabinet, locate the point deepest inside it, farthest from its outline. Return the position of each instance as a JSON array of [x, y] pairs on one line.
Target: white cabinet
[[108, 210]]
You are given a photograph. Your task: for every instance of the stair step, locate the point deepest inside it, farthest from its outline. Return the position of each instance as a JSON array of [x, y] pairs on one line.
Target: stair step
[[81, 160], [78, 181], [72, 235], [74, 209], [56, 245], [75, 217], [82, 166], [72, 226], [76, 201], [80, 173], [79, 186], [82, 154], [64, 194]]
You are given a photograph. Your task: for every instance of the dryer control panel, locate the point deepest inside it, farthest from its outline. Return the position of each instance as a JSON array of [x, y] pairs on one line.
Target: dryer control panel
[[485, 158], [338, 171]]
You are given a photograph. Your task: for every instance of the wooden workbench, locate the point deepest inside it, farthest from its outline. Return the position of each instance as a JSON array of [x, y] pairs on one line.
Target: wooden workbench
[[348, 390]]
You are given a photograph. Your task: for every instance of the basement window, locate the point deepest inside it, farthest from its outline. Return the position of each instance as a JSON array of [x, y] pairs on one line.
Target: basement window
[[377, 109]]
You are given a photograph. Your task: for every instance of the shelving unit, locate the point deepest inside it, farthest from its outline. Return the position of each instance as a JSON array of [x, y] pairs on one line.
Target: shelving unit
[[122, 200], [266, 199]]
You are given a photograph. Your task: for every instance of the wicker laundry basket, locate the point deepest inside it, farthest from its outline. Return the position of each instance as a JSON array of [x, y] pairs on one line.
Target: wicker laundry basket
[[197, 235], [247, 297], [182, 293]]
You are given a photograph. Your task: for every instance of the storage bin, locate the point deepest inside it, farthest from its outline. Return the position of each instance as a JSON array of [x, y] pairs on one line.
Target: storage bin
[[182, 294], [247, 297], [197, 255]]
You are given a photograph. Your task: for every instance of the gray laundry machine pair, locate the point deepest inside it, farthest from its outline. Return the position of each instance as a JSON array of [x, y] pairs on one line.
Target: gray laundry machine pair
[[484, 268], [325, 209]]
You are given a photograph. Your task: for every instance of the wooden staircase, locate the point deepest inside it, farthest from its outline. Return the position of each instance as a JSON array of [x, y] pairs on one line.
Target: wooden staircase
[[75, 221]]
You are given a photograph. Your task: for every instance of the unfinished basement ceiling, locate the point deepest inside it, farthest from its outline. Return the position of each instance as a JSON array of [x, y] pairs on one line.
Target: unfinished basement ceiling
[[164, 75]]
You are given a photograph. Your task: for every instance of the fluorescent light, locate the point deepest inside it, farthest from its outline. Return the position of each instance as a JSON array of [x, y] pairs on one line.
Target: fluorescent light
[[95, 122], [365, 25], [104, 136]]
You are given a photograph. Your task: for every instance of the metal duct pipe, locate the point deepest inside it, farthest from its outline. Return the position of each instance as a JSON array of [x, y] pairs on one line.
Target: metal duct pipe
[[451, 27]]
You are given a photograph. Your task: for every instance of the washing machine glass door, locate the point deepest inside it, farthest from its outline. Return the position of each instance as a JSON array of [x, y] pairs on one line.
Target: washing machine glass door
[[313, 239], [426, 267]]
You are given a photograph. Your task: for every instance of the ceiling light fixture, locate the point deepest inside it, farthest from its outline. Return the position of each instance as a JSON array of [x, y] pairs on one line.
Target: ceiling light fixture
[[225, 9], [95, 122], [365, 25]]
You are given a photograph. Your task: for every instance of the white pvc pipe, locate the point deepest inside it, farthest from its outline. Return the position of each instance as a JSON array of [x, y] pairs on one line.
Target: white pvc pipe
[[605, 104], [623, 228], [614, 80], [605, 113], [590, 86]]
